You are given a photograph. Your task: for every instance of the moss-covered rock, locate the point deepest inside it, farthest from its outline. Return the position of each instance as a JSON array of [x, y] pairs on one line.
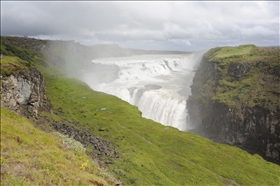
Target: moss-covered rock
[[235, 98]]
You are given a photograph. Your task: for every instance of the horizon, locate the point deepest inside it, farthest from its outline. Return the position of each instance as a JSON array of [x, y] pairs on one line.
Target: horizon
[[97, 44]]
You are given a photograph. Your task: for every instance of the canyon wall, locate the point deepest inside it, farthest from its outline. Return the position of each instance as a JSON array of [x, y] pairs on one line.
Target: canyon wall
[[235, 99]]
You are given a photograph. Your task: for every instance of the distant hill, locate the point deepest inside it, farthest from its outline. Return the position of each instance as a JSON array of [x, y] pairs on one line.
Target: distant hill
[[71, 57]]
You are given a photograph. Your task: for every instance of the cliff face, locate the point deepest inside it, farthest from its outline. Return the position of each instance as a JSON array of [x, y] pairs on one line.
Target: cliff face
[[235, 99], [24, 92]]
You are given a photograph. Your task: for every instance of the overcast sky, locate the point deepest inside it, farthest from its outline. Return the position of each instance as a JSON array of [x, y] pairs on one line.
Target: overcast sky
[[146, 25]]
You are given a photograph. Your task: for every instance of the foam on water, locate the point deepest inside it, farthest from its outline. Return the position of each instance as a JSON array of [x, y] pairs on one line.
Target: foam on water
[[152, 83]]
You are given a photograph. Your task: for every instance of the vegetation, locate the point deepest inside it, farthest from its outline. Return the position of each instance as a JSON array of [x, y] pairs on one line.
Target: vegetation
[[26, 49], [13, 64], [185, 158], [150, 153], [247, 76], [30, 156], [227, 54], [71, 143]]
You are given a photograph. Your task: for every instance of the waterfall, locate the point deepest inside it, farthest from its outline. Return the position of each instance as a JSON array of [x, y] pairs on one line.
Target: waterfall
[[157, 84]]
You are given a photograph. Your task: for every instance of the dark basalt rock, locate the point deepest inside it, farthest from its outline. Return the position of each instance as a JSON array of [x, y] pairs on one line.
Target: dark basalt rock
[[237, 70], [256, 128], [101, 147]]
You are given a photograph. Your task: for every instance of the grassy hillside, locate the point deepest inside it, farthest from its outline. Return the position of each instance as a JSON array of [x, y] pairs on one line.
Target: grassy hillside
[[150, 153], [30, 156]]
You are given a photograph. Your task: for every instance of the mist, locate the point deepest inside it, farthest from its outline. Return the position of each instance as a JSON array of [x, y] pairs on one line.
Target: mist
[[158, 84], [142, 78]]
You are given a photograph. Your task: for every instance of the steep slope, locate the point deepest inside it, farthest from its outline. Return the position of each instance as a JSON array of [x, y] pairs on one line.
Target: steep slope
[[30, 156], [23, 87], [140, 151], [236, 98], [149, 153]]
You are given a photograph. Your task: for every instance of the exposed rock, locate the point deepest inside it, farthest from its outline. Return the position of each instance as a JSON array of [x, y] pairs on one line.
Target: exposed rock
[[101, 147], [101, 129], [252, 125], [25, 93], [237, 70]]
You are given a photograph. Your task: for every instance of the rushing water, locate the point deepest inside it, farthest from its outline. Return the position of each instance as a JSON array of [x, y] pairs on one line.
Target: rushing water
[[158, 85]]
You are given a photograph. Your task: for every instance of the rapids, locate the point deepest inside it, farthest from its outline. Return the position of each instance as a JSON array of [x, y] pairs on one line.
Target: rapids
[[158, 85]]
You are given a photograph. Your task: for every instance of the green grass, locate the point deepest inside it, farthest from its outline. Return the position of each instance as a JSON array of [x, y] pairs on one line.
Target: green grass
[[152, 154], [33, 157], [12, 64], [233, 51], [230, 92], [24, 54], [229, 54], [258, 87]]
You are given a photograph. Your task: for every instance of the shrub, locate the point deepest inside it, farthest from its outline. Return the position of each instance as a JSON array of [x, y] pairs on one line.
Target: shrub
[[71, 143], [104, 173]]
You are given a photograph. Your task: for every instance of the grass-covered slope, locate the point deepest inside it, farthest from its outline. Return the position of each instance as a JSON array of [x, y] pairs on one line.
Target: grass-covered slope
[[30, 156], [152, 154], [12, 64], [149, 153], [28, 49]]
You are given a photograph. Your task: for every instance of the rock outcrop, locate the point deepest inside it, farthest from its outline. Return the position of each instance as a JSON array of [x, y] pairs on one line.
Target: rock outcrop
[[236, 100], [24, 92], [100, 146]]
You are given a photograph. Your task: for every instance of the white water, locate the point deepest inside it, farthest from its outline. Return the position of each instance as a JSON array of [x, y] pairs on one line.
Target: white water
[[158, 85]]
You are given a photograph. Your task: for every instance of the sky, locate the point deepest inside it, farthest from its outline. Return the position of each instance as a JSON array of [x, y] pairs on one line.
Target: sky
[[166, 25]]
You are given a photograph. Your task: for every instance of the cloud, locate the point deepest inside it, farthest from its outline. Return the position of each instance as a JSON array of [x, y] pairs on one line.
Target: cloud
[[257, 30], [181, 41], [166, 25]]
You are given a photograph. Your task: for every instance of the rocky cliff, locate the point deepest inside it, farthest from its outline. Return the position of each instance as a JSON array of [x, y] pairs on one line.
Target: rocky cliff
[[236, 99], [24, 92]]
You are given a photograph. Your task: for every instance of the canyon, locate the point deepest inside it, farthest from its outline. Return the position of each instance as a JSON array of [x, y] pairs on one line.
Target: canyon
[[46, 89]]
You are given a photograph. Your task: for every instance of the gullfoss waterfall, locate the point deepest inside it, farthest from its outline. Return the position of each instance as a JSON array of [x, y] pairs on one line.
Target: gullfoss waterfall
[[158, 85]]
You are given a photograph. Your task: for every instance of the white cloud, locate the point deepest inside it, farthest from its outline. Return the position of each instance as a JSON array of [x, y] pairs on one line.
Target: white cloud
[[181, 41], [257, 30], [169, 24]]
